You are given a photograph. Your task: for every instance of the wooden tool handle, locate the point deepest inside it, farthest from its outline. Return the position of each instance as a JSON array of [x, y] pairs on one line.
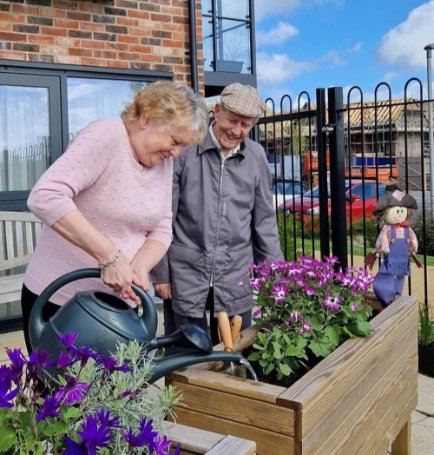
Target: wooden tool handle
[[236, 323], [225, 330]]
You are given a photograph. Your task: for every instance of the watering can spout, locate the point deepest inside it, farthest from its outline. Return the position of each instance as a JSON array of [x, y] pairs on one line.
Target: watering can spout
[[167, 365]]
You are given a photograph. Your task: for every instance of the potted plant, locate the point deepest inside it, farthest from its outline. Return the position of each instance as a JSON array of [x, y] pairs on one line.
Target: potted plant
[[305, 310], [99, 405], [426, 343], [357, 399]]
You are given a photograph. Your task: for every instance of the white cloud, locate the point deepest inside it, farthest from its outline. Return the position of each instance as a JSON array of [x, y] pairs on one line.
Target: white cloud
[[278, 35], [276, 8], [355, 49], [268, 8], [334, 58], [275, 68], [404, 44]]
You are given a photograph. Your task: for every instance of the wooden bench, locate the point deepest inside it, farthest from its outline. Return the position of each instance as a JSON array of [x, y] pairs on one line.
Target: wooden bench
[[18, 234]]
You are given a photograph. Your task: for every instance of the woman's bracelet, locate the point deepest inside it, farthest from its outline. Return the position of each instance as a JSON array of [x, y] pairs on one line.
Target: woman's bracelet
[[110, 262]]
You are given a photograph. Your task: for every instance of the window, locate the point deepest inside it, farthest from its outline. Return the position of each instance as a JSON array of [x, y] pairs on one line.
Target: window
[[41, 109], [227, 35]]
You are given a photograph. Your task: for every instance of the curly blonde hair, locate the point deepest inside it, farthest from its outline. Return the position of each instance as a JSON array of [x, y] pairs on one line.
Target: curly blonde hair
[[170, 103]]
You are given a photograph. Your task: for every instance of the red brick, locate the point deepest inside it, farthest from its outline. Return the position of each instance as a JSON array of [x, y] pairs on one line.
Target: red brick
[[54, 31], [65, 23], [117, 64], [40, 39], [80, 52], [10, 36], [92, 44]]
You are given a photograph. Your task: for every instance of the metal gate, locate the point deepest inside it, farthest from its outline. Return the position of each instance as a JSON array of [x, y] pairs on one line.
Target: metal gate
[[343, 153]]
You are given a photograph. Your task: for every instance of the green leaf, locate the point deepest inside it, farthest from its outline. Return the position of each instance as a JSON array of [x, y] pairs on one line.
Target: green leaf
[[55, 428], [285, 369], [8, 439], [277, 352], [362, 328], [71, 413]]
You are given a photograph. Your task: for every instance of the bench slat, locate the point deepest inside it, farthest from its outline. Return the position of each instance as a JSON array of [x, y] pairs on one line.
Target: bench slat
[[18, 235]]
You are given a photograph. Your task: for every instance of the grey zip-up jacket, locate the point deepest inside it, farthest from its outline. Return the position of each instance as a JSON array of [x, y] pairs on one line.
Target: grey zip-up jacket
[[223, 219]]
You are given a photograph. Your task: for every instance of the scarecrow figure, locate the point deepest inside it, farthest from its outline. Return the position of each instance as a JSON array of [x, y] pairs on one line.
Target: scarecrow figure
[[398, 243]]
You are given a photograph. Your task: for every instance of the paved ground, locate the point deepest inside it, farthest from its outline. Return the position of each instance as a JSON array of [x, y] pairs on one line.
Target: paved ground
[[422, 417]]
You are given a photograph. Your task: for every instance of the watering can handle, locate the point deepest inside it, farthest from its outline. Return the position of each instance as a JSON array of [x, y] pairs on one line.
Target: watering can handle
[[37, 323]]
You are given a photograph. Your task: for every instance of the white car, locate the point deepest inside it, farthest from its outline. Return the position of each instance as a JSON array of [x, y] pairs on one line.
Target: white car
[[285, 190]]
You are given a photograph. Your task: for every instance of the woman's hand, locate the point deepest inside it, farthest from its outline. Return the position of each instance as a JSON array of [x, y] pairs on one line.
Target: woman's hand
[[119, 277]]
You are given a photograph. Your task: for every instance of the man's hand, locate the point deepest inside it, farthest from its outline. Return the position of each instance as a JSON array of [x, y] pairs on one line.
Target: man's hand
[[163, 290]]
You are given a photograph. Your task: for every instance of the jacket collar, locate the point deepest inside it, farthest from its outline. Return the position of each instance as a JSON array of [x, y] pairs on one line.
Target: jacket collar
[[208, 144]]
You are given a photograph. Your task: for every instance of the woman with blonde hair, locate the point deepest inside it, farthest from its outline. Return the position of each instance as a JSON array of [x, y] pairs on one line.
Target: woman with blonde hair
[[106, 202]]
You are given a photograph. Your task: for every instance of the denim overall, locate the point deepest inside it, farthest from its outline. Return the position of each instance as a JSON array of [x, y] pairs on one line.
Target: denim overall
[[389, 282]]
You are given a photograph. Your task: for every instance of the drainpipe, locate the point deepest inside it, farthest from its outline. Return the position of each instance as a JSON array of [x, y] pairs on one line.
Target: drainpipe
[[193, 47]]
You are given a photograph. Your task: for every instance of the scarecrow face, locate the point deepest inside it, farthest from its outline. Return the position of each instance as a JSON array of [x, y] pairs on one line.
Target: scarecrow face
[[395, 215]]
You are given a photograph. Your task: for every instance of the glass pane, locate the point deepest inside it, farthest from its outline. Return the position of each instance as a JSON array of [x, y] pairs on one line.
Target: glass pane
[[230, 8], [91, 99], [206, 6], [208, 56], [233, 46], [24, 136]]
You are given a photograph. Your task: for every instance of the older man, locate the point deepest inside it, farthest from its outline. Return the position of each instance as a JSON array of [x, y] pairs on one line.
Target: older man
[[223, 219]]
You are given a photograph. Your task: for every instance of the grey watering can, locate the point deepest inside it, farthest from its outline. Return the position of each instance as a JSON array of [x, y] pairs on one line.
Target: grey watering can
[[102, 320]]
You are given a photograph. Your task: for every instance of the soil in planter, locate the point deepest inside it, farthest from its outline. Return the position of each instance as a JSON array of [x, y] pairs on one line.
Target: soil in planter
[[286, 381]]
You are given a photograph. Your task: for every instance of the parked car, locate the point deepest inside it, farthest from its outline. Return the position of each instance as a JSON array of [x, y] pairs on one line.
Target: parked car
[[355, 195], [285, 190]]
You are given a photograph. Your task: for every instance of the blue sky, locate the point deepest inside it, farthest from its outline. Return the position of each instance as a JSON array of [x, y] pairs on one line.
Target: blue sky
[[302, 45]]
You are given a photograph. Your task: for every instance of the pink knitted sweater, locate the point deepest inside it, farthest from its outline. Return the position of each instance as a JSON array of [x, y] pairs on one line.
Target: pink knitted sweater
[[98, 175]]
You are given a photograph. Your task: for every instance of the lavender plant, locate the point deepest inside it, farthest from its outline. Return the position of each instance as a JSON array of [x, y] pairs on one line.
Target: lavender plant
[[100, 405], [305, 310]]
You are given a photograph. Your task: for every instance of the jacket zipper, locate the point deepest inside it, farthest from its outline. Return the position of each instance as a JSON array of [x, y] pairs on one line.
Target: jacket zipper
[[222, 165]]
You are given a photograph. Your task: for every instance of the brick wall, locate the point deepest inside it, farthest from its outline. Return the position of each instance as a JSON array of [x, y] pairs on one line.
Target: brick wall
[[131, 34]]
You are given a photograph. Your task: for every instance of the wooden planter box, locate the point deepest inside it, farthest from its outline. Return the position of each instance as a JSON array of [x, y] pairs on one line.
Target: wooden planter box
[[357, 400]]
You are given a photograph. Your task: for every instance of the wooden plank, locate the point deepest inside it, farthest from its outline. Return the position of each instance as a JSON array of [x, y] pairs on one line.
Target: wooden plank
[[233, 445], [376, 387], [402, 444], [267, 442], [236, 408], [9, 237], [18, 216], [191, 439], [378, 433], [10, 288], [234, 385]]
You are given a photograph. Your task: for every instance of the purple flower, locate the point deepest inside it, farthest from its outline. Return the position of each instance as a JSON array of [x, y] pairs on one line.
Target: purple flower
[[279, 293], [64, 360], [6, 396], [306, 327], [17, 360], [50, 408], [68, 339], [145, 436], [332, 302], [355, 307], [39, 358], [94, 435], [294, 316], [257, 314], [73, 392], [110, 364]]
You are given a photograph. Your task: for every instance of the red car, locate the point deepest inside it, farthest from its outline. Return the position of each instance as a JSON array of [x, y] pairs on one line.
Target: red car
[[309, 203]]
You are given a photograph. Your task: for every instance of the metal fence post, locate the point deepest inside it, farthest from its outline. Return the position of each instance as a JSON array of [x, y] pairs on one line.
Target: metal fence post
[[337, 175], [322, 172]]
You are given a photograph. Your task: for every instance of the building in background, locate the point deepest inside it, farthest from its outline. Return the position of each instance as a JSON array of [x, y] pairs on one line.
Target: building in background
[[64, 63]]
